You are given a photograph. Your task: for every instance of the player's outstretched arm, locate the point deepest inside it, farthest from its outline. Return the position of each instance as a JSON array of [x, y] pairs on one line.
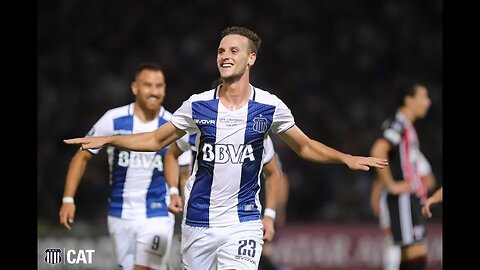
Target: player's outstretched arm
[[145, 142], [315, 151]]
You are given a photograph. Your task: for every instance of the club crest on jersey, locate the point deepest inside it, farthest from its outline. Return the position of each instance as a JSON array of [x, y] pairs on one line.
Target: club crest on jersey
[[260, 124]]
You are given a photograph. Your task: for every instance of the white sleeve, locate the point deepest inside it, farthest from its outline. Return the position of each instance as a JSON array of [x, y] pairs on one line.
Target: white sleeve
[[392, 131], [183, 143], [182, 118], [103, 127], [423, 166], [185, 158], [282, 118], [268, 150]]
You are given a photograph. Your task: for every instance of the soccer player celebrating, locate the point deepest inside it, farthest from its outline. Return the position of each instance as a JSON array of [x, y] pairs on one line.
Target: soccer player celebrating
[[232, 121]]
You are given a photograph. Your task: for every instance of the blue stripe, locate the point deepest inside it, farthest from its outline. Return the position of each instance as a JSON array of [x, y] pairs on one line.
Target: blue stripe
[[118, 173], [157, 191], [199, 201], [191, 140], [247, 209], [156, 203]]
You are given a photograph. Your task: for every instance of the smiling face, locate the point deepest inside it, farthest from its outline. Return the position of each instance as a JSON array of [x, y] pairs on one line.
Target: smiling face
[[234, 57], [149, 89]]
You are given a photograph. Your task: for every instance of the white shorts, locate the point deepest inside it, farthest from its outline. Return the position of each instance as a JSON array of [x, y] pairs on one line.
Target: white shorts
[[145, 242], [232, 247]]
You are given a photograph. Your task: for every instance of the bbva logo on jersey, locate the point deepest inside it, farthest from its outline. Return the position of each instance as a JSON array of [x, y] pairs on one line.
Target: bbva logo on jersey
[[140, 160], [223, 153]]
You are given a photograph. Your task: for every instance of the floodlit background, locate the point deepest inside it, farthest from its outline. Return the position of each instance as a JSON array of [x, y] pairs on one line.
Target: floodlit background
[[334, 63]]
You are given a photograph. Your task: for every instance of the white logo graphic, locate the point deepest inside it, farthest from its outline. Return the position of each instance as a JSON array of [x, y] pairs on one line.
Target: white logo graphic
[[81, 256], [53, 255], [223, 153], [205, 121], [139, 160]]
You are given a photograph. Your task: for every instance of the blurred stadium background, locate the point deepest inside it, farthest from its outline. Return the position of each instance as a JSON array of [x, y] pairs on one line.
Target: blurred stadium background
[[333, 62]]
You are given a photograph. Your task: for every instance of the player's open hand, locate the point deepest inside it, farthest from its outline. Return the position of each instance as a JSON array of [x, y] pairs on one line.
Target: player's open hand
[[426, 209], [176, 204], [268, 228], [67, 214], [364, 163], [88, 142], [434, 199]]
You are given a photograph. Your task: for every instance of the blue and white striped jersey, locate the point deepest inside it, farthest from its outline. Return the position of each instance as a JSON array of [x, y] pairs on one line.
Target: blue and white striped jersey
[[224, 186], [189, 142], [137, 184]]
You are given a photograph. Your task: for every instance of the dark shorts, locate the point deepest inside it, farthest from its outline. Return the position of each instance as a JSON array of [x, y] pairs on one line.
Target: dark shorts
[[406, 219]]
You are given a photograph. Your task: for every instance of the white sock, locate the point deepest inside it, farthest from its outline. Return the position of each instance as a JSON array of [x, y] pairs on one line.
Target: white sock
[[391, 254]]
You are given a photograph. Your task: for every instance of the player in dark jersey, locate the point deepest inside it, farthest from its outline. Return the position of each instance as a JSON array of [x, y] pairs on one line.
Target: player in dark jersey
[[406, 192], [378, 201]]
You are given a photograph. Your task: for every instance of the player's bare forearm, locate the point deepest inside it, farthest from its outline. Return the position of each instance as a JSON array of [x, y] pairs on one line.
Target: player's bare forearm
[[429, 181], [437, 196], [172, 171], [75, 172], [272, 184], [138, 142], [145, 142], [381, 148], [310, 149], [318, 152], [148, 141], [184, 175], [385, 177], [375, 195], [135, 142]]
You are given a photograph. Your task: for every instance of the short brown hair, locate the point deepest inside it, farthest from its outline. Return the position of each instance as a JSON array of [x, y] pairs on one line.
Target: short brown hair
[[147, 66], [253, 38]]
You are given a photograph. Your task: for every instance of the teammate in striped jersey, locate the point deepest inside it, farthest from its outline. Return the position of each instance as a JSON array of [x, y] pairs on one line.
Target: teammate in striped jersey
[[232, 121], [138, 219], [399, 144]]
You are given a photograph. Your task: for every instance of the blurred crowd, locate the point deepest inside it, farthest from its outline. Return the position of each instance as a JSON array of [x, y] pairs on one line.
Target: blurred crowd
[[334, 63]]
